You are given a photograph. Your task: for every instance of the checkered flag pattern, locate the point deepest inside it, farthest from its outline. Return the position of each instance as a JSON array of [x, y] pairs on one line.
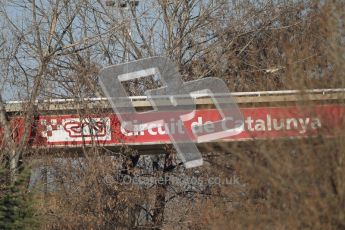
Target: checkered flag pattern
[[50, 125]]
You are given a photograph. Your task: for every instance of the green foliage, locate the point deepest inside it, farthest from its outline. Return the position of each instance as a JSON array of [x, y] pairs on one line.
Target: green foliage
[[16, 210]]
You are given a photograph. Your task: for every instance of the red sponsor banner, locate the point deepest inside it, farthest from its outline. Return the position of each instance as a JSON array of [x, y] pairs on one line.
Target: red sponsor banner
[[259, 123]]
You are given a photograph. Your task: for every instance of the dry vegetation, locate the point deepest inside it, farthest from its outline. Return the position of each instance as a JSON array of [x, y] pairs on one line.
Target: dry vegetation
[[55, 50]]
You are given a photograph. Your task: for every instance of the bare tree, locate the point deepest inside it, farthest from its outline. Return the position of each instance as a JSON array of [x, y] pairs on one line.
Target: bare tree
[[55, 48]]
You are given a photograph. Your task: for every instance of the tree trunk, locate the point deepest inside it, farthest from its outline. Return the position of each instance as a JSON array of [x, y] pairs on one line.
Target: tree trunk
[[161, 191], [9, 150]]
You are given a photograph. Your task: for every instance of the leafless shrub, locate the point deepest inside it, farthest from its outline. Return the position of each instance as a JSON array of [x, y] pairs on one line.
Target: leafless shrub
[[253, 45]]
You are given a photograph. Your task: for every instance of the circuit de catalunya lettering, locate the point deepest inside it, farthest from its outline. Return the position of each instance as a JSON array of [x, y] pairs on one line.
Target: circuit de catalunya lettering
[[259, 123]]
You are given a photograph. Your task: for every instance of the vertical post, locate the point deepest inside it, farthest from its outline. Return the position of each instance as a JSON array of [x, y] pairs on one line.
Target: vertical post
[[126, 6]]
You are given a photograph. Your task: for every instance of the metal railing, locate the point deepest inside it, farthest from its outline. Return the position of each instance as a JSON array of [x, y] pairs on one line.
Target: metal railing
[[199, 95]]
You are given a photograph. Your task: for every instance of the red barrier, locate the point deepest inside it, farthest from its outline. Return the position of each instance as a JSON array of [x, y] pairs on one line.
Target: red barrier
[[259, 123]]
